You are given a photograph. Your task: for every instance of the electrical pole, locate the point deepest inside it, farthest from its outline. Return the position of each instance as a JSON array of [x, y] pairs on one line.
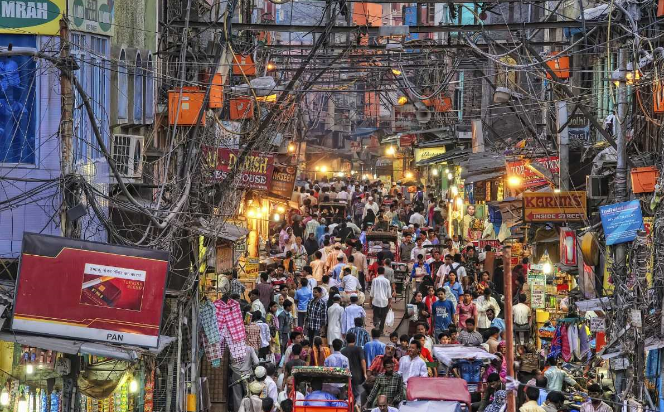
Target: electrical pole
[[66, 126], [563, 145], [509, 327]]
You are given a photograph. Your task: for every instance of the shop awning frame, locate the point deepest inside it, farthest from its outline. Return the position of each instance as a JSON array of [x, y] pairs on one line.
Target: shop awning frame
[[74, 347], [453, 154]]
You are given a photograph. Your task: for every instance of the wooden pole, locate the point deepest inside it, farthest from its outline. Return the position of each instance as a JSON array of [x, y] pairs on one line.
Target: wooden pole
[[509, 326]]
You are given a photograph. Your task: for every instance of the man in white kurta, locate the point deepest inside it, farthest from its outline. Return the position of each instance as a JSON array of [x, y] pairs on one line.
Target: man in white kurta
[[334, 314]]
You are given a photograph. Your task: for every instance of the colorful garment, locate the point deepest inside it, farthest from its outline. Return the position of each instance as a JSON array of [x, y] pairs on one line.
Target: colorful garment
[[231, 328], [566, 350], [208, 318]]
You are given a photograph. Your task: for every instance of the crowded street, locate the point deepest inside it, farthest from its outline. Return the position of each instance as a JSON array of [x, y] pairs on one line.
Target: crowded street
[[331, 206]]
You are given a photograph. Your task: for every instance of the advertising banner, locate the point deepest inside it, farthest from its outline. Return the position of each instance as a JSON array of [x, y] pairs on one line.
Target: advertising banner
[[427, 153], [254, 173], [88, 290], [554, 207], [528, 176], [283, 181], [621, 221], [92, 16], [31, 17]]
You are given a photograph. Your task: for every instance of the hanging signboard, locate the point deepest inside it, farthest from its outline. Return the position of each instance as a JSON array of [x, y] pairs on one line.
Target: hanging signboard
[[32, 17], [427, 153], [530, 178], [554, 207], [597, 324], [621, 221], [92, 16], [88, 290], [283, 181], [254, 173]]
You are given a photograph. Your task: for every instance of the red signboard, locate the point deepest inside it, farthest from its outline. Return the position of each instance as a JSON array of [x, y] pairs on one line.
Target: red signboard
[[88, 290], [528, 176], [407, 140], [283, 181], [255, 172]]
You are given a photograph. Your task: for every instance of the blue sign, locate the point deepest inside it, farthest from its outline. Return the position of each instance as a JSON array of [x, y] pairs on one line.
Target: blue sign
[[621, 221], [18, 111], [410, 19]]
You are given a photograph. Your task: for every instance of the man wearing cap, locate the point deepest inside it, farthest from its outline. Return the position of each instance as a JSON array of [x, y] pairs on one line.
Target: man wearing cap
[[380, 298], [334, 315], [332, 258], [253, 403], [350, 283], [338, 268], [370, 206], [263, 375], [352, 311]]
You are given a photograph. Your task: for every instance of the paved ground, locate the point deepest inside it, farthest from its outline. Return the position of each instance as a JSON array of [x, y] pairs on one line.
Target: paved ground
[[398, 309]]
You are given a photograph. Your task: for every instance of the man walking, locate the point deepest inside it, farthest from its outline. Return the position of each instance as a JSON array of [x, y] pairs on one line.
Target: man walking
[[358, 365], [388, 384], [316, 314], [381, 299]]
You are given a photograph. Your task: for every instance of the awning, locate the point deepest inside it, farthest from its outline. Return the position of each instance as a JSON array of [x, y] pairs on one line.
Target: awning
[[222, 230], [363, 131], [74, 347], [483, 176], [430, 406], [444, 157]]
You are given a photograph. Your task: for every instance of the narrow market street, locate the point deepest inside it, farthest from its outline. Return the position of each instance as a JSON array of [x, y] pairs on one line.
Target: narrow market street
[[331, 206]]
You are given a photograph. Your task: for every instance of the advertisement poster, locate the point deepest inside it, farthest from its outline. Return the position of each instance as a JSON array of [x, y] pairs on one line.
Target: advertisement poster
[[537, 290], [92, 16], [529, 177], [255, 171], [31, 17], [87, 290], [19, 113], [283, 181], [427, 153], [621, 221]]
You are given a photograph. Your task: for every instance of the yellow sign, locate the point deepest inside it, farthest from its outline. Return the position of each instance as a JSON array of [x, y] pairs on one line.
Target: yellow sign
[[554, 207], [427, 153], [31, 17]]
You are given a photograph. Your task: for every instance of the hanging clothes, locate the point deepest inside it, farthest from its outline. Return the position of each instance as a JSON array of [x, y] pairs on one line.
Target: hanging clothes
[[556, 344], [566, 351], [584, 341], [208, 320], [231, 328], [573, 338]]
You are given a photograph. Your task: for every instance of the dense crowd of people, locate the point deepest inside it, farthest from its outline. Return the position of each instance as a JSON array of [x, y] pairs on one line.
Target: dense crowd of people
[[311, 308]]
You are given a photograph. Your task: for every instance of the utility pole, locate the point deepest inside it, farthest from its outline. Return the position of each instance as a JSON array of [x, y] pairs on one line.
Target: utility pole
[[66, 126], [563, 145], [509, 327]]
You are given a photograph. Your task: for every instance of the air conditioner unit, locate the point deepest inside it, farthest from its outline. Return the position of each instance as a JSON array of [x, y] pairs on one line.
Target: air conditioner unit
[[597, 186], [128, 155]]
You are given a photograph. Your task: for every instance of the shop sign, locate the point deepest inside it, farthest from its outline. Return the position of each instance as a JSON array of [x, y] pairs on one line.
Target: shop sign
[[406, 140], [621, 221], [31, 17], [597, 324], [427, 153], [537, 290], [554, 207], [92, 16], [249, 268], [239, 249], [254, 173], [283, 181], [528, 177], [91, 291]]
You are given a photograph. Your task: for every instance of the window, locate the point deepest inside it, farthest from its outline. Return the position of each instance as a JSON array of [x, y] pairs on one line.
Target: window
[[90, 52], [138, 90], [19, 110], [123, 88], [149, 90]]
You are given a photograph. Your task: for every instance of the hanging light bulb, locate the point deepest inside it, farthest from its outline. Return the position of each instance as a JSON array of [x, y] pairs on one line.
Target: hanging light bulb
[[22, 404], [434, 172], [450, 176], [455, 190], [281, 209], [4, 397], [133, 386], [29, 369], [547, 268], [277, 217]]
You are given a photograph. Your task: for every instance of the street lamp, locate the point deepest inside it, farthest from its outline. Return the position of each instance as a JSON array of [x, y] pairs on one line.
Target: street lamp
[[291, 147], [323, 169], [409, 175], [390, 151]]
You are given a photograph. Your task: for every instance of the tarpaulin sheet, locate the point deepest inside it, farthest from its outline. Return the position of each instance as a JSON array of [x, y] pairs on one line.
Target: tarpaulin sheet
[[448, 353], [429, 406]]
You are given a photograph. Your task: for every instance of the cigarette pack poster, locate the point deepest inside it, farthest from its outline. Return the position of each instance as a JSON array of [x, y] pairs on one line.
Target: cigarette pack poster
[[89, 290], [112, 287]]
